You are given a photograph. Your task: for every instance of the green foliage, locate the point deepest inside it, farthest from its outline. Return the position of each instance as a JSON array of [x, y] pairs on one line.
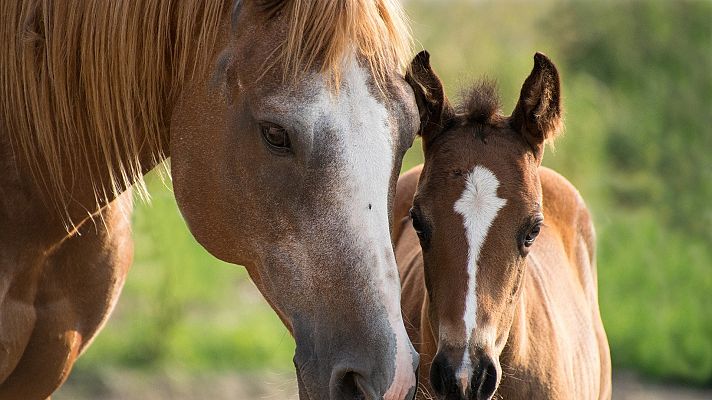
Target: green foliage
[[637, 82]]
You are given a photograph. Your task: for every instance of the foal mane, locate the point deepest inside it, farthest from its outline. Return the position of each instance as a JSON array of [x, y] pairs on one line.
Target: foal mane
[[80, 82], [326, 31], [481, 103]]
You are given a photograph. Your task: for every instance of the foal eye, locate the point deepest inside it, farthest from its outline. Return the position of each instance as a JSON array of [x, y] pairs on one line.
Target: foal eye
[[421, 228], [276, 138], [531, 236]]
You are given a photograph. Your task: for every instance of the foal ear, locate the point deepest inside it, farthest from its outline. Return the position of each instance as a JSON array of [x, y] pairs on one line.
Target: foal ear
[[433, 106], [537, 115]]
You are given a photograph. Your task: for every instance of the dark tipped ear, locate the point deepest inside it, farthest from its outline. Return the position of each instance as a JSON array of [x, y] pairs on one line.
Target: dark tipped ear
[[433, 106], [537, 115]]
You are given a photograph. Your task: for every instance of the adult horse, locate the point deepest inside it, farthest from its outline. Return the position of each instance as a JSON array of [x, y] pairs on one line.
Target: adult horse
[[503, 295], [285, 121]]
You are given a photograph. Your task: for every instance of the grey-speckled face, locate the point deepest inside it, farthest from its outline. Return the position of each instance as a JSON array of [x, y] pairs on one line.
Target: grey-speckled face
[[294, 181]]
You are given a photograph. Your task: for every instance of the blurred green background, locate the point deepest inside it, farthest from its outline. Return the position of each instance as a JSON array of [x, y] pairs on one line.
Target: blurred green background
[[637, 82]]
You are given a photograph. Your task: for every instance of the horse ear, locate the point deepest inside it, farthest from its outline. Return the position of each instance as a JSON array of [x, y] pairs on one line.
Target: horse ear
[[537, 115], [433, 106]]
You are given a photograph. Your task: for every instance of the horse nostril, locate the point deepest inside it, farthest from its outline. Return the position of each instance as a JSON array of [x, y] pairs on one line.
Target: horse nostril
[[350, 387], [487, 382]]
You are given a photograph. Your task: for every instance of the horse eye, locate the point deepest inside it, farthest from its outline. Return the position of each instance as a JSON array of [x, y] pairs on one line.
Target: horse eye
[[531, 236], [276, 138]]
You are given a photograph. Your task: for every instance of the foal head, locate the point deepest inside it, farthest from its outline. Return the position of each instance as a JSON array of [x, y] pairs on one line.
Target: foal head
[[285, 158], [477, 211]]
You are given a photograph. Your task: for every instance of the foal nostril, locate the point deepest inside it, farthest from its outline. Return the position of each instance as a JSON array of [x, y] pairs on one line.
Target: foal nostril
[[487, 381], [439, 375]]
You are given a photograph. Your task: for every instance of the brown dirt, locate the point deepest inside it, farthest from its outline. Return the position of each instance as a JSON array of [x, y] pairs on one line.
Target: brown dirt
[[126, 385]]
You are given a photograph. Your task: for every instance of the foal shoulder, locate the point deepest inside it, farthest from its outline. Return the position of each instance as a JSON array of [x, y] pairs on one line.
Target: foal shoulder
[[403, 199], [408, 254], [405, 240]]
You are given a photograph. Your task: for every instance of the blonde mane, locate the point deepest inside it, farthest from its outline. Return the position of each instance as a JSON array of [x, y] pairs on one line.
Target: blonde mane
[[89, 84], [80, 82], [326, 31]]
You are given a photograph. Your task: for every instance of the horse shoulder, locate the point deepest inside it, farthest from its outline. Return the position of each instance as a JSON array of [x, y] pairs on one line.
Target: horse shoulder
[[566, 212], [75, 289]]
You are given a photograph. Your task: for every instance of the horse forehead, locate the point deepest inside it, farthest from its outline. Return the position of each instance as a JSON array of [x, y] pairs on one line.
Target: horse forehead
[[314, 104], [353, 106]]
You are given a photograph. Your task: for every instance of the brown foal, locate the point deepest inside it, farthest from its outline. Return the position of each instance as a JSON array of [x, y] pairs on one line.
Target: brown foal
[[496, 253]]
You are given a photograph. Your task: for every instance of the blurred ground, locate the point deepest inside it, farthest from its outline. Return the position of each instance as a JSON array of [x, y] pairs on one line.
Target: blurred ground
[[127, 385], [627, 386]]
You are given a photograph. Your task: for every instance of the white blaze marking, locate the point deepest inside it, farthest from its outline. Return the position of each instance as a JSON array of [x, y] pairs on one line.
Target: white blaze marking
[[367, 144], [478, 206]]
